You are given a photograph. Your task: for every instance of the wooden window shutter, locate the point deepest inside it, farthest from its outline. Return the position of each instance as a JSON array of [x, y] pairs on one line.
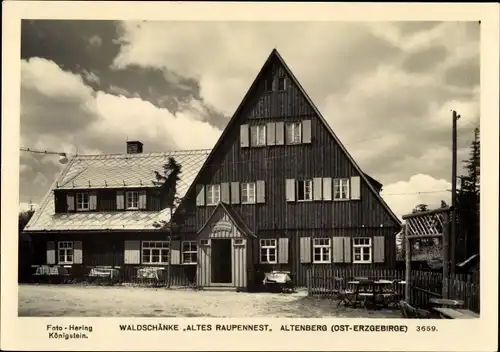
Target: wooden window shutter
[[378, 249], [261, 191], [280, 133], [120, 200], [327, 188], [70, 201], [283, 250], [271, 133], [235, 193], [244, 136], [305, 249], [176, 252], [347, 249], [290, 190], [143, 199], [306, 131], [93, 200], [132, 253], [224, 192], [317, 188], [51, 252], [338, 249], [78, 252], [355, 187], [200, 195]]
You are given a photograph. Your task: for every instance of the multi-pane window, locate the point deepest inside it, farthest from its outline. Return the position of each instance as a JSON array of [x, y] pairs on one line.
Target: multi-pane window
[[304, 190], [65, 252], [293, 133], [189, 252], [268, 251], [132, 199], [322, 250], [258, 135], [213, 194], [281, 83], [340, 188], [362, 249], [155, 252], [204, 242], [268, 85], [82, 201], [248, 193]]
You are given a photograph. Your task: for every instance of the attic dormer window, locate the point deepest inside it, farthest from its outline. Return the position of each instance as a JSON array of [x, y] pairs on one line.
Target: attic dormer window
[[132, 200], [82, 201]]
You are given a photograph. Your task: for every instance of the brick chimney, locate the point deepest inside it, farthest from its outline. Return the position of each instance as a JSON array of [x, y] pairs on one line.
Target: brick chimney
[[134, 147]]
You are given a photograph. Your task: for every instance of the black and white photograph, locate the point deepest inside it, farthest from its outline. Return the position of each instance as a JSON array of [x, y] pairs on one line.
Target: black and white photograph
[[250, 169]]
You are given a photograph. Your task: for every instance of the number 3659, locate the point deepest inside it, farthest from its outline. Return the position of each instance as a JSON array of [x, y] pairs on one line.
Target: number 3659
[[426, 328]]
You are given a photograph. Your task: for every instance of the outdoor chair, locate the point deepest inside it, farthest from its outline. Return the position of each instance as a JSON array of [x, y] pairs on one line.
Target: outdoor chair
[[409, 312], [344, 295]]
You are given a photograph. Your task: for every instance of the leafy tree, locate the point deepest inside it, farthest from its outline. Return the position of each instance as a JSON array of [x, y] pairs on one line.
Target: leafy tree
[[24, 247]]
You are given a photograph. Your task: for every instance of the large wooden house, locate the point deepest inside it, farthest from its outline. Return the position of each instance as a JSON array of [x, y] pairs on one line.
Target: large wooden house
[[277, 191]]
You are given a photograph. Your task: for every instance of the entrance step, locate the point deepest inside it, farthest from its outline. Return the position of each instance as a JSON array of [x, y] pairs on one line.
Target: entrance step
[[219, 288]]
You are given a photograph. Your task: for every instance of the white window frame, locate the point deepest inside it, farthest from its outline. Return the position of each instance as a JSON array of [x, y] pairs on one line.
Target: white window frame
[[285, 83], [296, 132], [238, 242], [258, 135], [322, 246], [306, 185], [340, 184], [248, 193], [82, 200], [365, 247], [189, 248], [66, 250], [213, 194], [150, 247], [129, 200], [205, 242], [268, 246]]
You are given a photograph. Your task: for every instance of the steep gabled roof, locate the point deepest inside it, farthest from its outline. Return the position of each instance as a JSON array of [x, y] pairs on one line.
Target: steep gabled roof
[[233, 215], [114, 171], [275, 55]]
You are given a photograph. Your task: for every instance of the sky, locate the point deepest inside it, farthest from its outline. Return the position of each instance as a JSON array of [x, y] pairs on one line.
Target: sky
[[385, 88]]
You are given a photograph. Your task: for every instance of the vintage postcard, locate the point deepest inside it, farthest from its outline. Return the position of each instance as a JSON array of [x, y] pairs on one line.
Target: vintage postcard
[[249, 176]]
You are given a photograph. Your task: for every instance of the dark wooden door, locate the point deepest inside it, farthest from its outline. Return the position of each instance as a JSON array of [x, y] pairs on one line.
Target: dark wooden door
[[221, 261]]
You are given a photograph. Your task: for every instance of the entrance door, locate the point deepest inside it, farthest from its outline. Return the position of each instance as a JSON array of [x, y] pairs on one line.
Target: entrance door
[[221, 261]]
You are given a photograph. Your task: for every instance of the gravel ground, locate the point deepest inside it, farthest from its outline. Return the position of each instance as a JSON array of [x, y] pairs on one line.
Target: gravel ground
[[125, 301]]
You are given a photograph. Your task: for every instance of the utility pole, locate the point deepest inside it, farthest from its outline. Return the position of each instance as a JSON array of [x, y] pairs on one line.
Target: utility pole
[[453, 195]]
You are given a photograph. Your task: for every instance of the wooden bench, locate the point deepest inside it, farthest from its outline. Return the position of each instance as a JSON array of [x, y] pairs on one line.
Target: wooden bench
[[446, 302], [450, 313]]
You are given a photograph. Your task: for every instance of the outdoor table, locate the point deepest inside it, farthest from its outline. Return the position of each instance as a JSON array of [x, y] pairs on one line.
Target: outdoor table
[[450, 313], [377, 289], [446, 302]]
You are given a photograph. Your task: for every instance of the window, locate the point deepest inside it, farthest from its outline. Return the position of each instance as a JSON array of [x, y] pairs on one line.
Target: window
[[257, 135], [268, 251], [341, 188], [132, 200], [82, 201], [293, 133], [213, 194], [65, 252], [322, 250], [304, 190], [204, 242], [155, 252], [268, 85], [281, 83], [248, 193], [238, 242], [189, 252], [362, 249]]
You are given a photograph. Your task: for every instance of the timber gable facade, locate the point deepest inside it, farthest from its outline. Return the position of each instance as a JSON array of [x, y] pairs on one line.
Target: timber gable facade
[[278, 191]]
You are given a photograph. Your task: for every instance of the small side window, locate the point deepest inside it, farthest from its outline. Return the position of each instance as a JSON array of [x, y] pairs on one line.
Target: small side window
[[238, 242], [204, 242]]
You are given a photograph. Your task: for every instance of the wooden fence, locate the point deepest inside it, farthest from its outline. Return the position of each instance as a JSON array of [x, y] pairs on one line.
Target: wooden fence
[[424, 284]]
